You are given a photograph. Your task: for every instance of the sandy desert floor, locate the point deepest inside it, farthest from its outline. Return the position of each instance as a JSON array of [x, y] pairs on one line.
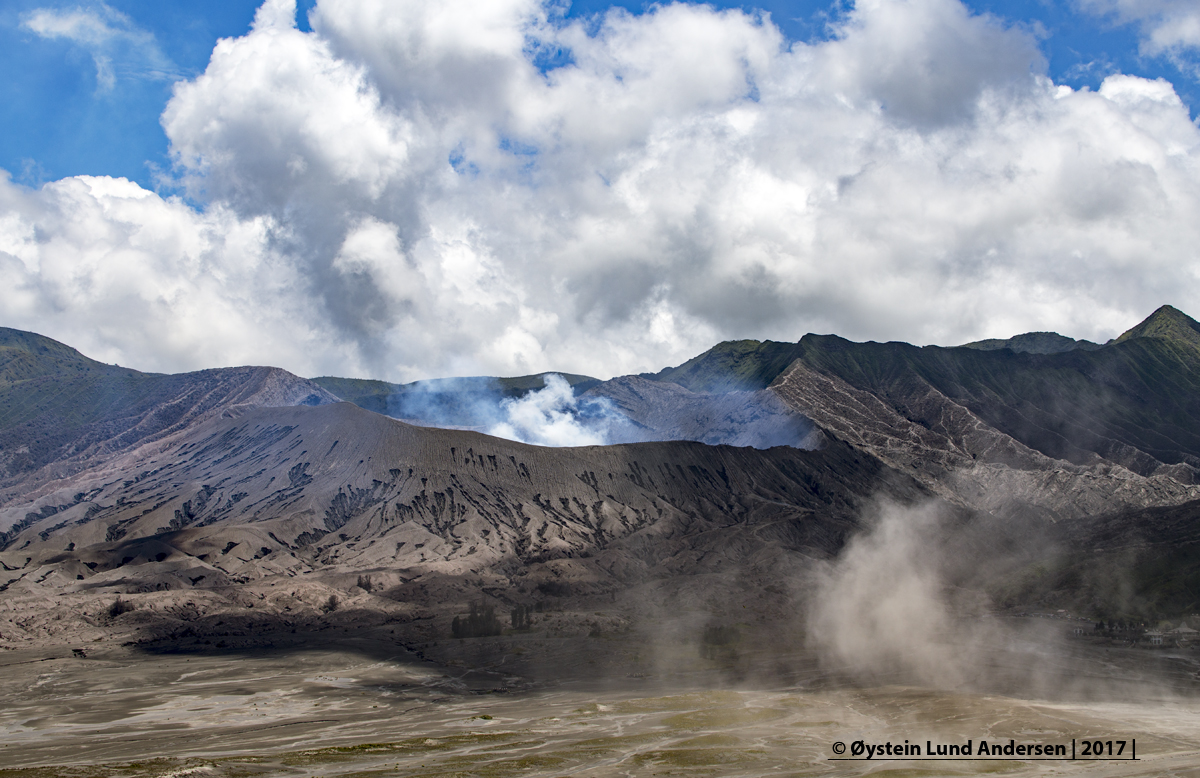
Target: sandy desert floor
[[368, 707]]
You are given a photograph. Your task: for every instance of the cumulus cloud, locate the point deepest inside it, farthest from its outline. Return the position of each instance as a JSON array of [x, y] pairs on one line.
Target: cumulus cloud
[[410, 190], [116, 44], [1168, 27], [135, 275]]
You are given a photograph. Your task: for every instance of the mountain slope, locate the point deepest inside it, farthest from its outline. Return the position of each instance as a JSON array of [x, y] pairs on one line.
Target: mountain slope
[[61, 412], [200, 484], [27, 355], [732, 366], [284, 491], [663, 410], [1167, 323], [1136, 403], [960, 456]]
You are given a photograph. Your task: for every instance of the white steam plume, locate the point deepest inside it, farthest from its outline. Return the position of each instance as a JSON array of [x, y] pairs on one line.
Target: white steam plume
[[554, 416]]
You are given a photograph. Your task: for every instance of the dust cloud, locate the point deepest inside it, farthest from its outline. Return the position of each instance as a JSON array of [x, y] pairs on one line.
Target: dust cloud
[[896, 607], [905, 603], [880, 610]]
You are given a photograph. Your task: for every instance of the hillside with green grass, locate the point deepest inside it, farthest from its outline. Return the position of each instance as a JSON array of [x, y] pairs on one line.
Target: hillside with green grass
[[1166, 323], [732, 366], [1035, 343]]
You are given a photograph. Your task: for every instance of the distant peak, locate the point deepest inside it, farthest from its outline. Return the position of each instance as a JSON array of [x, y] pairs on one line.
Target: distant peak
[[1167, 323], [1034, 343]]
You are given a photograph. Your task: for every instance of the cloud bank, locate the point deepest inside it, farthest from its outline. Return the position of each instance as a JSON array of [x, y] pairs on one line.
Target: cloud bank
[[460, 187]]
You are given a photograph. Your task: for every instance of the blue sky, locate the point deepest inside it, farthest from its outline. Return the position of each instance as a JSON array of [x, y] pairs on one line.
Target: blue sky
[[57, 119], [404, 193]]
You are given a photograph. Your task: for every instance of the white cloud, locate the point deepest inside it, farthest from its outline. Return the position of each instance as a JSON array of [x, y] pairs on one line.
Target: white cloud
[[403, 193], [1169, 28], [129, 277], [116, 44]]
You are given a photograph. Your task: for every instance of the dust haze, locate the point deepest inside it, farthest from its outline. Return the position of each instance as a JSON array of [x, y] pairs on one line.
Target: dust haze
[[881, 609], [910, 600]]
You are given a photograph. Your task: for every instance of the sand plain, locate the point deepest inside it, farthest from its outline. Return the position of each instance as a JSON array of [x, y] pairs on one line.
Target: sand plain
[[366, 706]]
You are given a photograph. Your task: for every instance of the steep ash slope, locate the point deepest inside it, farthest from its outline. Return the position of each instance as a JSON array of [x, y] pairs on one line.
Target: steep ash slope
[[1136, 402], [282, 491], [964, 459], [61, 412], [1133, 402]]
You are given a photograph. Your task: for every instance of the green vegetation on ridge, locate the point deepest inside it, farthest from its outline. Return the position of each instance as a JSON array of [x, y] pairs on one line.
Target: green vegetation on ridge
[[1035, 343], [732, 366], [1166, 323], [1068, 399], [52, 396]]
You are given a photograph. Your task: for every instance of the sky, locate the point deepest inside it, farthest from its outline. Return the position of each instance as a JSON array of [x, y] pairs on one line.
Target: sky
[[403, 190]]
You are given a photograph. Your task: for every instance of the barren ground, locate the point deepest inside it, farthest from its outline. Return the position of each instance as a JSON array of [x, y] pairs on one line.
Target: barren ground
[[364, 705]]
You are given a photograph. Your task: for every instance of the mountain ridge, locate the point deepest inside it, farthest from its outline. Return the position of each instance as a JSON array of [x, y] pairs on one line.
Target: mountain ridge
[[1034, 343], [453, 401], [24, 356], [1166, 323], [201, 483], [62, 412]]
